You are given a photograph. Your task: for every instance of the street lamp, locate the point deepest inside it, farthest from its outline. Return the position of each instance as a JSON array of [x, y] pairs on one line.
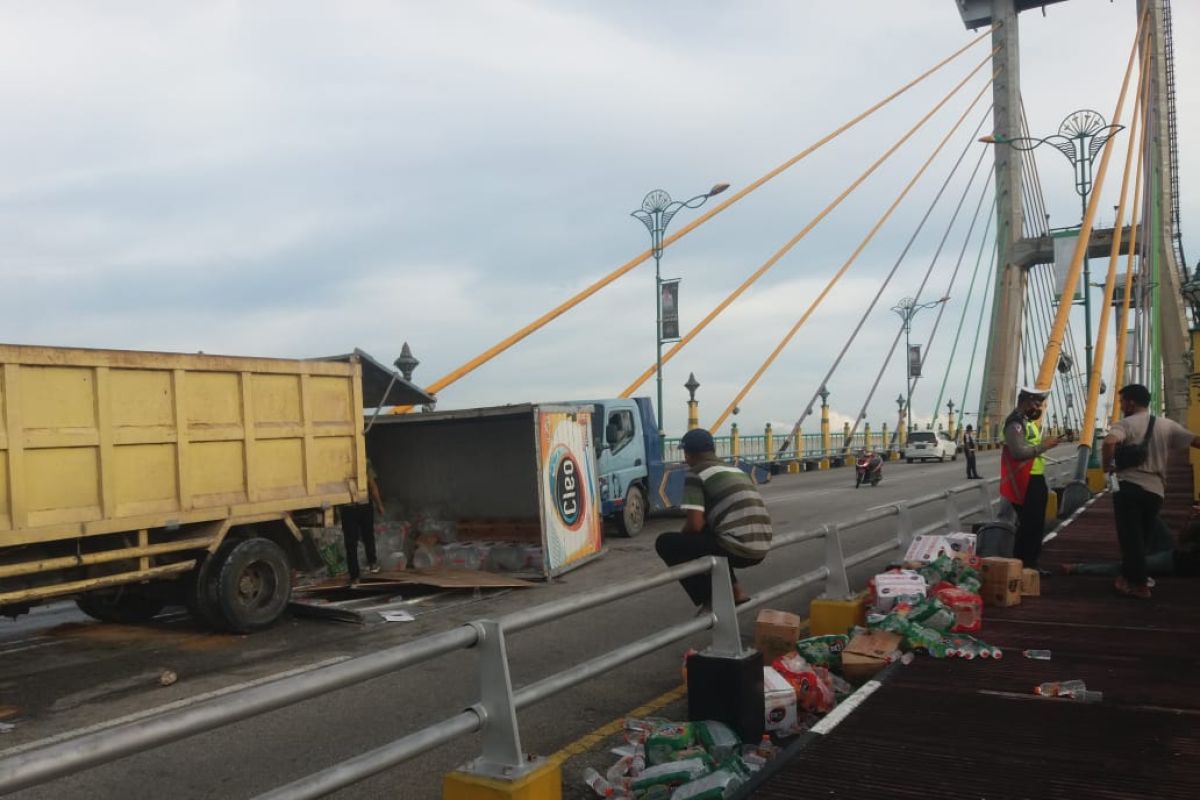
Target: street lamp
[[1080, 138], [656, 213], [907, 309]]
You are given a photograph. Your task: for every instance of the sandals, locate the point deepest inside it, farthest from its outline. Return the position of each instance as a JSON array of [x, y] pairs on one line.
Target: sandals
[[1123, 587]]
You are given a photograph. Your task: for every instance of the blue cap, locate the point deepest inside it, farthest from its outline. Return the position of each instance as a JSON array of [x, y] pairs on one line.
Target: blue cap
[[697, 440]]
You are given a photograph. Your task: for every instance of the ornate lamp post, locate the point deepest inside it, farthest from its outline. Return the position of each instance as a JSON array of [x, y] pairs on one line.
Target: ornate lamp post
[[950, 417], [693, 419], [656, 213], [901, 428], [406, 362], [826, 442], [907, 309]]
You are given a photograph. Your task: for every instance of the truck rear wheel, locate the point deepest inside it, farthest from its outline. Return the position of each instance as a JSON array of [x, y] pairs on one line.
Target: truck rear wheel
[[200, 589], [253, 584], [128, 604], [633, 514]]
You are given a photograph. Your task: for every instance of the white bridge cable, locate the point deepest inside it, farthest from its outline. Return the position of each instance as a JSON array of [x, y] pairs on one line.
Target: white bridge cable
[[917, 297], [984, 309], [983, 240], [975, 272], [789, 440], [949, 288]]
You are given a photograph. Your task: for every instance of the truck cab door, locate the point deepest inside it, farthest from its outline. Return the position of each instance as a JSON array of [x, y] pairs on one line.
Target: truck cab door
[[622, 460]]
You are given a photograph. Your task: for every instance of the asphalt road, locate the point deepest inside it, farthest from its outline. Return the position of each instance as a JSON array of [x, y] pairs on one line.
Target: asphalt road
[[61, 673]]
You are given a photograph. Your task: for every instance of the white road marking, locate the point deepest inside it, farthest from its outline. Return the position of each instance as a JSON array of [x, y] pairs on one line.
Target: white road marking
[[29, 647], [845, 708], [184, 703]]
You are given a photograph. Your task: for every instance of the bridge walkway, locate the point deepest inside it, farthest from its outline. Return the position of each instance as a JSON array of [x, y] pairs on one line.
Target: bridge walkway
[[955, 728]]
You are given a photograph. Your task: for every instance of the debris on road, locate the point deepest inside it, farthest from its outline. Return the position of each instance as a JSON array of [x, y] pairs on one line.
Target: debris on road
[[167, 678]]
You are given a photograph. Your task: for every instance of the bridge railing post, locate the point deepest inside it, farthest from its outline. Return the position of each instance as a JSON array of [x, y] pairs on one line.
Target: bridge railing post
[[837, 584]]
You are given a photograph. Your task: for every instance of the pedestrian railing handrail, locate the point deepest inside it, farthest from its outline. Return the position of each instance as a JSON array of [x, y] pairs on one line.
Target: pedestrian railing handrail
[[495, 713]]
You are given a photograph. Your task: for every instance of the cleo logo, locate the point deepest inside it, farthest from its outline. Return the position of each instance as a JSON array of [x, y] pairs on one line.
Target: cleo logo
[[566, 487]]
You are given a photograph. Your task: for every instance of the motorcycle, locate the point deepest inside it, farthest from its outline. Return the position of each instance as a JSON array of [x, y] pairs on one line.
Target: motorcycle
[[868, 469]]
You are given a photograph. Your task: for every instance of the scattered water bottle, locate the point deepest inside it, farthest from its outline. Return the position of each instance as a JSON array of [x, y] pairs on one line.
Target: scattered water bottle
[[620, 769], [597, 783], [1037, 655], [766, 748], [1060, 688], [1088, 696]]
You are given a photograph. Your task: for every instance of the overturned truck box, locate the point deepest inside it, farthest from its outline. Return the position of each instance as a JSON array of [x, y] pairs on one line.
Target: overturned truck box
[[518, 473]]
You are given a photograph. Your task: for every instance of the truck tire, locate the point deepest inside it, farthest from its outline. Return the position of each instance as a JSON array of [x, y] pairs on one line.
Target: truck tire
[[200, 589], [128, 604], [253, 584], [632, 518]]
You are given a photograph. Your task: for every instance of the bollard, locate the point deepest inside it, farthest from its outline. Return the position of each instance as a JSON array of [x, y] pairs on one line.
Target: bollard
[[725, 680]]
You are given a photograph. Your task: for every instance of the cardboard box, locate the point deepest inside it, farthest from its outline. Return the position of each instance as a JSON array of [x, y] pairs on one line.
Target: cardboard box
[[961, 544], [1031, 583], [927, 548], [1001, 581], [868, 653], [826, 615], [776, 633], [779, 701], [890, 585]]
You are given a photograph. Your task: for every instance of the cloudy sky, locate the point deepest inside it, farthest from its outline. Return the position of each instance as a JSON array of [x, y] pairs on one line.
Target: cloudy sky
[[299, 178]]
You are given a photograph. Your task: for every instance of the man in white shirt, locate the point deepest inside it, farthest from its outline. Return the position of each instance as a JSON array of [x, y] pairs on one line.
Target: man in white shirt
[[1140, 479]]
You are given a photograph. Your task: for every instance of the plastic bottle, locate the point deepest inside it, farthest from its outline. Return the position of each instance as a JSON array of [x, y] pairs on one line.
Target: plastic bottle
[[1088, 696], [1037, 655], [766, 748], [597, 783], [1060, 688]]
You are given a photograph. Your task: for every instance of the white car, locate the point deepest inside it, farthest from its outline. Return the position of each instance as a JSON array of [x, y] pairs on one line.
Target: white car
[[925, 445]]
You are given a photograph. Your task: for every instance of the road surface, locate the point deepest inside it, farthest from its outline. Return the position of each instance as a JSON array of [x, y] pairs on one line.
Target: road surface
[[61, 673]]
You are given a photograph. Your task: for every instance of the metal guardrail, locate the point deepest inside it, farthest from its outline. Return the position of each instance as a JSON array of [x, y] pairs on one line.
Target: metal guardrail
[[495, 713]]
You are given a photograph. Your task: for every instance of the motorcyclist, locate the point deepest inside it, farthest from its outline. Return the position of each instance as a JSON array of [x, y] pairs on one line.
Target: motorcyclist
[[870, 466]]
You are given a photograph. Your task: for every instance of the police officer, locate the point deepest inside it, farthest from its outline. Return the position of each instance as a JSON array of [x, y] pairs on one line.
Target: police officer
[[1023, 473], [969, 447]]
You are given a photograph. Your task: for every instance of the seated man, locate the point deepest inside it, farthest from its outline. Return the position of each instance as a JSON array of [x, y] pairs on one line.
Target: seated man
[[1163, 557], [726, 517]]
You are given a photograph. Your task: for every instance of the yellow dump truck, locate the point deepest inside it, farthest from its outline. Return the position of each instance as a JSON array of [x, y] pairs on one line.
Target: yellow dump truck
[[130, 480]]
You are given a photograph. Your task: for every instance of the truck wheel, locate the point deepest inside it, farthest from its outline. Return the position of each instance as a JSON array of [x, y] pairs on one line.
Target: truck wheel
[[253, 584], [200, 589], [633, 515], [954, 457], [909, 460], [128, 604]]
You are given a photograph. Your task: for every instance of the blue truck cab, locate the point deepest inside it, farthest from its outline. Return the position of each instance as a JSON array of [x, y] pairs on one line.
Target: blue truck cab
[[634, 479]]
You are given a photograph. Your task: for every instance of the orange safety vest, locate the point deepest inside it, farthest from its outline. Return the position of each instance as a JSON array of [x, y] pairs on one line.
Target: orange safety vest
[[1014, 474]]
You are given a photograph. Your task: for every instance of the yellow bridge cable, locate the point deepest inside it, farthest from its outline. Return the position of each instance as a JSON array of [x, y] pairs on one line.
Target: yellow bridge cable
[[1110, 282], [849, 261], [1054, 345], [1134, 224], [782, 251], [574, 300]]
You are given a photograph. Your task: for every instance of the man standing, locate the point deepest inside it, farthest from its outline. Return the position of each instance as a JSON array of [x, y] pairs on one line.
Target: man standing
[[1023, 473], [1136, 449], [726, 517], [969, 452], [358, 523]]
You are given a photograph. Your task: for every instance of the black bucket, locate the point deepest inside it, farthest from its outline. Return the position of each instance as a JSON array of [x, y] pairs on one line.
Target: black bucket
[[995, 538]]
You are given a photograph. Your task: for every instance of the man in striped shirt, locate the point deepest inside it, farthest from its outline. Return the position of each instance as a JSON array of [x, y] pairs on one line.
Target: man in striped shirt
[[726, 516]]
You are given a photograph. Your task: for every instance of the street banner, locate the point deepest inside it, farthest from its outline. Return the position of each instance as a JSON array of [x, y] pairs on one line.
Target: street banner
[[571, 531], [1064, 251], [670, 310], [914, 361]]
